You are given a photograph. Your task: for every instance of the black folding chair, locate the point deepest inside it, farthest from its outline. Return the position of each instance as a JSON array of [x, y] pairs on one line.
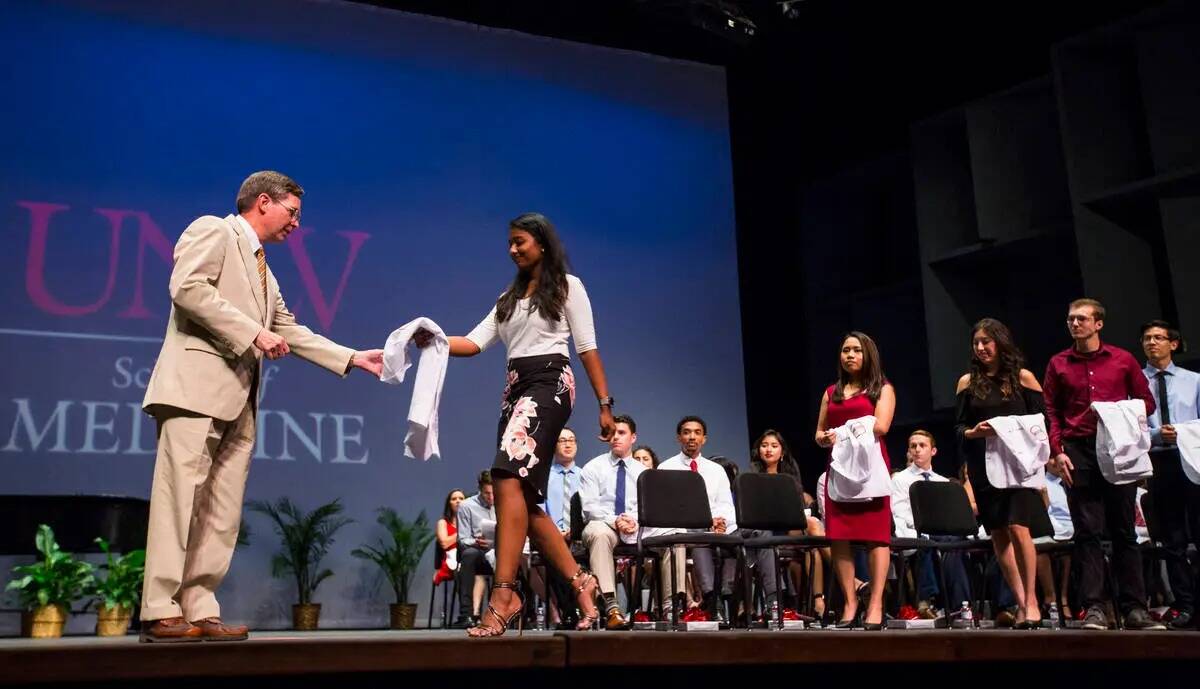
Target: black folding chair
[[942, 508], [677, 500], [771, 502]]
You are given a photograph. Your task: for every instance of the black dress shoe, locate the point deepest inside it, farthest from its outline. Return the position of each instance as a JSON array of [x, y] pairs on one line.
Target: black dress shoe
[[1029, 624], [463, 622]]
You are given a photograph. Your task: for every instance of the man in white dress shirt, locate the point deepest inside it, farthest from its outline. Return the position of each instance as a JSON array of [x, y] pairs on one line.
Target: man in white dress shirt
[[608, 491], [692, 433], [921, 450]]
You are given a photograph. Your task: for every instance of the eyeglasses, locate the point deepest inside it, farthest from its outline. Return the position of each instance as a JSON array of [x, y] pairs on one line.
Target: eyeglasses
[[1081, 319], [1156, 338], [566, 441], [295, 212]]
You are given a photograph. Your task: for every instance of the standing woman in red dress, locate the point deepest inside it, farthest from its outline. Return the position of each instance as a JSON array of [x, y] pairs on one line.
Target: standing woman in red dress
[[861, 390]]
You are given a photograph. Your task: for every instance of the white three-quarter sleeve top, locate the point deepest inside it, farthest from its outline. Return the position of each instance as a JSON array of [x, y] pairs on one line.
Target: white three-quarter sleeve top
[[528, 333]]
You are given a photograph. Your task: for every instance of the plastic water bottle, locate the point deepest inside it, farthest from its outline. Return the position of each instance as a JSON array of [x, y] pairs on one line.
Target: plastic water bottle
[[774, 614], [967, 616], [540, 619]]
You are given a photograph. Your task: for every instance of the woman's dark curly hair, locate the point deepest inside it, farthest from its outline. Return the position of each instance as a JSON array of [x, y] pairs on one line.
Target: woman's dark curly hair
[[1008, 355]]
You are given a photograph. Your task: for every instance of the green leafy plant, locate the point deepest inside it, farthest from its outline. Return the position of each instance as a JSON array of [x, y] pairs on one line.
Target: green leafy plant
[[122, 585], [57, 579], [400, 558], [306, 539]]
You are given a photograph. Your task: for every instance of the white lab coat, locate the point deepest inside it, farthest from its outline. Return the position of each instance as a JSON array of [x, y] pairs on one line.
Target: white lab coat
[[422, 437], [858, 472], [1123, 441], [1016, 456]]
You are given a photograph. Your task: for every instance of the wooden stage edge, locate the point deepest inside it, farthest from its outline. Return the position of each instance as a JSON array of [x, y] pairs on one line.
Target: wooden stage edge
[[82, 659]]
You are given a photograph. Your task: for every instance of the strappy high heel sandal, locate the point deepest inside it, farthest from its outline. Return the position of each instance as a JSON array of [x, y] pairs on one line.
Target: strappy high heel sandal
[[482, 631], [580, 582]]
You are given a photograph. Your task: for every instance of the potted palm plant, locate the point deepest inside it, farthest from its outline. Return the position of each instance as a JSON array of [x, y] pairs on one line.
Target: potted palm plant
[[117, 594], [47, 588], [399, 559], [306, 539]]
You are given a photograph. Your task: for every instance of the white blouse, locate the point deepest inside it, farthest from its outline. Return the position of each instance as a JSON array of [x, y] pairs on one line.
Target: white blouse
[[528, 333]]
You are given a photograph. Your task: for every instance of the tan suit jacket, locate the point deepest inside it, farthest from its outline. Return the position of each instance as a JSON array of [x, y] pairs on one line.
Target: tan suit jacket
[[208, 363]]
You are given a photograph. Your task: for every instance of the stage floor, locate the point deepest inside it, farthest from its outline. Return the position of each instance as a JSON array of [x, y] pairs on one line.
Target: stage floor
[[304, 657]]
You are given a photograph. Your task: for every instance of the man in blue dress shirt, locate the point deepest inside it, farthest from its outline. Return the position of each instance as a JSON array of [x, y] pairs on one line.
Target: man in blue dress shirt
[[1176, 499]]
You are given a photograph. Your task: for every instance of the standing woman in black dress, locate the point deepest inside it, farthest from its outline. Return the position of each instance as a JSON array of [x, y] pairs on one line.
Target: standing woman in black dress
[[534, 317], [997, 385]]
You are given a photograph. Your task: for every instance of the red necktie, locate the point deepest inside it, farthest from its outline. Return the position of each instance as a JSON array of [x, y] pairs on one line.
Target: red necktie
[[694, 466]]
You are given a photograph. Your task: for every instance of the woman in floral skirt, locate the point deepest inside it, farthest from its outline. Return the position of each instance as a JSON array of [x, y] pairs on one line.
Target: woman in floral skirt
[[534, 317]]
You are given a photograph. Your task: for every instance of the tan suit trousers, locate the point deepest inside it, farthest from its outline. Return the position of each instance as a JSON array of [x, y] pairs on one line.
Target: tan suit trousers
[[600, 539], [195, 510]]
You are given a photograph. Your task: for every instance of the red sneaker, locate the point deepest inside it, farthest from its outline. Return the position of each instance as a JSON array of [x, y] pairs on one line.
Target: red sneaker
[[788, 615], [642, 616], [695, 615], [908, 612]]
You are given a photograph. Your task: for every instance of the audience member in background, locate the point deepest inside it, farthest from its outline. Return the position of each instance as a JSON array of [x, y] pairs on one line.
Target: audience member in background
[[563, 485], [692, 434], [445, 555], [473, 549], [921, 450], [860, 390], [1092, 371], [1176, 499], [608, 490], [646, 455], [997, 385], [770, 455]]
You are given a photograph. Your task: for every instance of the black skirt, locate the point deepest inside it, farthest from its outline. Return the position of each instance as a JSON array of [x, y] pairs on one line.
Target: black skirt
[[536, 405]]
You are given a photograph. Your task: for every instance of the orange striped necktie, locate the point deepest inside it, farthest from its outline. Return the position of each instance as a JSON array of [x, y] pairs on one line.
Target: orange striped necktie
[[262, 270]]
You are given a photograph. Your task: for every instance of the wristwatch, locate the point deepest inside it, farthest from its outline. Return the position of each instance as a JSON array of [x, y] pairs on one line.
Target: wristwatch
[[606, 402]]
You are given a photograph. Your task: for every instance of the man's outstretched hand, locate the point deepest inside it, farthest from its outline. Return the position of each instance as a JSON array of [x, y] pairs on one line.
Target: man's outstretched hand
[[370, 361]]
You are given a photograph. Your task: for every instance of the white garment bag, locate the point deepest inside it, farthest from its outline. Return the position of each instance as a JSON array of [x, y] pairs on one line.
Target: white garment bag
[[422, 437], [1016, 456], [1188, 443], [1123, 441], [858, 472]]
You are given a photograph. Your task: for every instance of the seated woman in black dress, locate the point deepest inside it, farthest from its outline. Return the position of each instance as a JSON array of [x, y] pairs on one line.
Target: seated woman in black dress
[[995, 386]]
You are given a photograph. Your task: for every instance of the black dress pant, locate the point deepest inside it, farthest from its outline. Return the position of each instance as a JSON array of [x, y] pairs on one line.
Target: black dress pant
[[1177, 508], [1097, 507], [471, 561]]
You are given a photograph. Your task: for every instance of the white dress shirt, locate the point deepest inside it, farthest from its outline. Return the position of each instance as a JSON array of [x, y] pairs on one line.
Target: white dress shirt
[[716, 482], [528, 333], [598, 488], [249, 233], [902, 514]]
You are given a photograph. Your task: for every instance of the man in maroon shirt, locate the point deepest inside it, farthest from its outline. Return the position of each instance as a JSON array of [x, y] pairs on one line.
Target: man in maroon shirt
[[1091, 371]]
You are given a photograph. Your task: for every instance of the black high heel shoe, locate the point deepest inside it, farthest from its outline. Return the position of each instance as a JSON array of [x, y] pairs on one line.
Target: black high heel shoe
[[482, 631], [855, 622]]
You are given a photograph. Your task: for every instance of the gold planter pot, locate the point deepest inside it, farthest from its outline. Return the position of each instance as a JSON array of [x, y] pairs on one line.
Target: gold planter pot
[[306, 616], [45, 622], [403, 615], [113, 621]]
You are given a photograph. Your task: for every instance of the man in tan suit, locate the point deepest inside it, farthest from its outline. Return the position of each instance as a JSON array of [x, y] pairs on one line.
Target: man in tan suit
[[226, 315]]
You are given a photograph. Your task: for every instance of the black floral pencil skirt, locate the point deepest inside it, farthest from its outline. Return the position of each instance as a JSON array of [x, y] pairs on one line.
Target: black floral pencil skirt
[[537, 401]]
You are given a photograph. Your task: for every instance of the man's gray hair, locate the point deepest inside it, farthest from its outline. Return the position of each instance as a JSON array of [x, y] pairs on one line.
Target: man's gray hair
[[274, 184]]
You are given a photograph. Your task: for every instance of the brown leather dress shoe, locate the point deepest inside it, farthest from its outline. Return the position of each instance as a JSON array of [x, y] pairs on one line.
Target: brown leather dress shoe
[[616, 621], [169, 630], [213, 629]]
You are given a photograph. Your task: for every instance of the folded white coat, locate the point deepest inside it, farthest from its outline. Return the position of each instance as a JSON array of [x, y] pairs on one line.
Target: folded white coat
[[1016, 456], [1188, 442], [422, 437], [858, 472], [1123, 441]]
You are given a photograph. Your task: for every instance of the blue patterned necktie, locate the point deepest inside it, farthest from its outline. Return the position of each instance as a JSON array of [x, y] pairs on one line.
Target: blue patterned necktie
[[619, 500], [925, 474]]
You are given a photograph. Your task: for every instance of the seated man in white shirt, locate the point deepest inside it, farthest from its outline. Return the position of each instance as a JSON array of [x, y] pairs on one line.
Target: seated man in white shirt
[[692, 433], [921, 450], [608, 491]]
